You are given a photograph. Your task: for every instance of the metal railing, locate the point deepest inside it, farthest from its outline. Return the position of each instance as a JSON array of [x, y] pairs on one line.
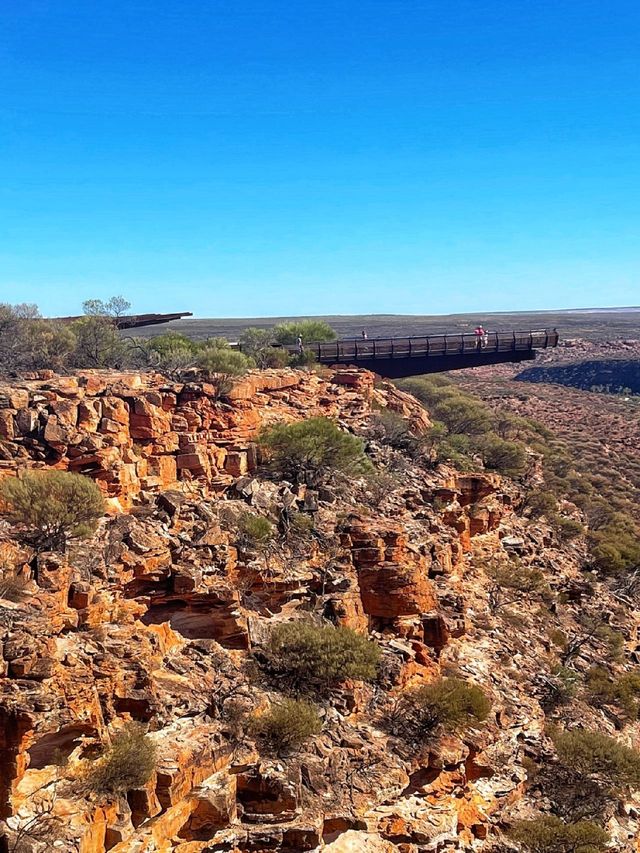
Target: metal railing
[[420, 346]]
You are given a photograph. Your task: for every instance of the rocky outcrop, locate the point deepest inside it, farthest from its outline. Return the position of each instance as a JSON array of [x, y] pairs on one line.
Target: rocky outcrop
[[160, 617]]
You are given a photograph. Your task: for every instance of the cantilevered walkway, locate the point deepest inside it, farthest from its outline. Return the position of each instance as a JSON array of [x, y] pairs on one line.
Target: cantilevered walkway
[[398, 357]]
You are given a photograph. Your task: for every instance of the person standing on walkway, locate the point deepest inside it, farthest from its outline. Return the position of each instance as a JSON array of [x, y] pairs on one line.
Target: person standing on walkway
[[479, 333], [364, 335], [300, 345]]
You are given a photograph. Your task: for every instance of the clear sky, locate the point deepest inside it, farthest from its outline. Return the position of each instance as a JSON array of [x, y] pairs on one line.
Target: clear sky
[[266, 157]]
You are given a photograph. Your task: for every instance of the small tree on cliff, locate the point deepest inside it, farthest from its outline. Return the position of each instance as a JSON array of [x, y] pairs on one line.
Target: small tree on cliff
[[53, 506], [309, 450]]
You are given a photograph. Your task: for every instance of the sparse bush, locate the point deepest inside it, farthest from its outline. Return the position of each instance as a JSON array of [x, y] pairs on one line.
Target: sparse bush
[[258, 345], [299, 531], [127, 764], [593, 631], [174, 347], [53, 506], [513, 583], [311, 449], [307, 358], [175, 352], [464, 428], [566, 528], [378, 485], [306, 657], [301, 525], [594, 754], [559, 688], [549, 834], [255, 528], [46, 344], [309, 330], [287, 725], [395, 430], [445, 706]]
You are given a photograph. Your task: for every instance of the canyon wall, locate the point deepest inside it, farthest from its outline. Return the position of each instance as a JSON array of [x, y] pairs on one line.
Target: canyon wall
[[159, 616]]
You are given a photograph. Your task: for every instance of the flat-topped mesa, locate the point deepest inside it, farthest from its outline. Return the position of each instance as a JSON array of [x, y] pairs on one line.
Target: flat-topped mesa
[[134, 432]]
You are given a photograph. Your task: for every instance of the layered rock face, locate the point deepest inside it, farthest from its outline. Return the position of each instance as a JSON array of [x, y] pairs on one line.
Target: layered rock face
[[159, 617]]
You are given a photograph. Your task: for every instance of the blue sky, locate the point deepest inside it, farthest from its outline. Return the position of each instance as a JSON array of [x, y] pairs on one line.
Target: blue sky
[[244, 157]]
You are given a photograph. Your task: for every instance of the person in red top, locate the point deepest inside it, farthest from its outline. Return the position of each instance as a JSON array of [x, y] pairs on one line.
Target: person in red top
[[479, 333]]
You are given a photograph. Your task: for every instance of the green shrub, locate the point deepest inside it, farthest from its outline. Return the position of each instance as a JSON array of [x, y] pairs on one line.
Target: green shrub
[[506, 457], [170, 343], [255, 528], [98, 343], [540, 502], [287, 725], [220, 358], [28, 342], [594, 754], [549, 834], [127, 764], [53, 506], [309, 450], [615, 547], [301, 525], [447, 705], [307, 358], [306, 657], [623, 691], [47, 344], [309, 330], [463, 415]]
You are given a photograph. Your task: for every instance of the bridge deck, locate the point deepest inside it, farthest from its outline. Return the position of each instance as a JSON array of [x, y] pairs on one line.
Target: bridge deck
[[406, 356]]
